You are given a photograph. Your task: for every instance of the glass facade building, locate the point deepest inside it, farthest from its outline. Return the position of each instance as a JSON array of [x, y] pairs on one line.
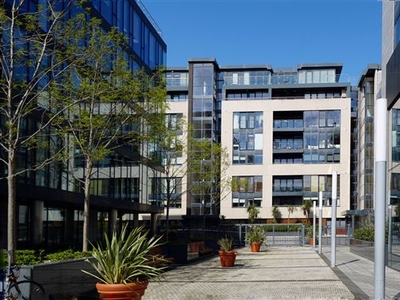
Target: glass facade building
[[50, 200]]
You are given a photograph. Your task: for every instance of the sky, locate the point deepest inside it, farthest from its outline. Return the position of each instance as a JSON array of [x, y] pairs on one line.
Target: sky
[[280, 33]]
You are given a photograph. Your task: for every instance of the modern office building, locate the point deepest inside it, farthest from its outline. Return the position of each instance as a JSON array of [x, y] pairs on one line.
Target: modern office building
[[368, 89], [390, 89], [286, 130], [49, 203]]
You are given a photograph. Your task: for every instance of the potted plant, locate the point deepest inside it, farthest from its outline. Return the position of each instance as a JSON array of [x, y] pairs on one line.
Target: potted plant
[[309, 234], [255, 237], [123, 264], [226, 253]]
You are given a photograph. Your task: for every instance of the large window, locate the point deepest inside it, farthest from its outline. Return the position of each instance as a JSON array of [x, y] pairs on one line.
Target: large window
[[117, 188], [246, 190], [317, 76], [288, 184], [247, 138], [173, 121], [313, 184], [396, 135], [164, 189], [321, 137]]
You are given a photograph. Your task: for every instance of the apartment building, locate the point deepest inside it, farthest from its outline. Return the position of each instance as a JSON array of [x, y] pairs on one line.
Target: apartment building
[[368, 89], [50, 202], [286, 130]]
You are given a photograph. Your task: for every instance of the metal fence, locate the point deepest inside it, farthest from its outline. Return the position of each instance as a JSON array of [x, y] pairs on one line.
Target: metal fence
[[276, 234]]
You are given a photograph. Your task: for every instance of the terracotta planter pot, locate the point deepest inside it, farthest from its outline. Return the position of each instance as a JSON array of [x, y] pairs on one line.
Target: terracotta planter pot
[[129, 291], [255, 246], [227, 258]]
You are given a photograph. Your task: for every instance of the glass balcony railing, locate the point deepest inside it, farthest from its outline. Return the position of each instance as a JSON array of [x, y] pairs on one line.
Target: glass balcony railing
[[177, 82], [243, 79]]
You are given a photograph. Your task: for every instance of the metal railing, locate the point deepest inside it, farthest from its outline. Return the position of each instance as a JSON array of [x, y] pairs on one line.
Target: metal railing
[[276, 234]]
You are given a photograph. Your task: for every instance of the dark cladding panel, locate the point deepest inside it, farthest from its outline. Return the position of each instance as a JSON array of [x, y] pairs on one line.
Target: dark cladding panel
[[393, 77]]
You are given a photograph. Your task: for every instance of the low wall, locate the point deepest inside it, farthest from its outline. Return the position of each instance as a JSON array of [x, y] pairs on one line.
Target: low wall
[[62, 279]]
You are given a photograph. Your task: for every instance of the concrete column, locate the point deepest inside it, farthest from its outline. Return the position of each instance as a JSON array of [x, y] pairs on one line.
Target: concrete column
[[112, 220], [93, 222], [37, 222], [69, 225], [153, 224], [135, 219]]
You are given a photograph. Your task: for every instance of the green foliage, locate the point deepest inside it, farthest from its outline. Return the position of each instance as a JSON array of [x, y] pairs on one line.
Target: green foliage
[[255, 234], [28, 257], [105, 104], [282, 228], [2, 258], [125, 257], [309, 230], [366, 233], [276, 214], [306, 208], [67, 254], [252, 212], [290, 209], [226, 243]]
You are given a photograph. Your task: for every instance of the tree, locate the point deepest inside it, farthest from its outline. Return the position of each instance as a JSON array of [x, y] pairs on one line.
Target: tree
[[115, 108], [186, 162], [168, 150], [306, 208], [31, 60], [207, 164], [252, 212], [290, 209], [276, 214]]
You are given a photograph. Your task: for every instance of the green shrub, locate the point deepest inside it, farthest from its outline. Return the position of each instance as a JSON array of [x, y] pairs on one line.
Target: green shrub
[[2, 259], [67, 254], [281, 228], [28, 257], [365, 233], [33, 257]]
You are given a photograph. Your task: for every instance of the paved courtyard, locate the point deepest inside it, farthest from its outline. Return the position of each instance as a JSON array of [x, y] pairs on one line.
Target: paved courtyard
[[276, 273]]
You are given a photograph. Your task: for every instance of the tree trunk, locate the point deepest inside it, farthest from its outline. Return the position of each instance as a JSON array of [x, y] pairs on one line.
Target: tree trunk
[[167, 215], [86, 206], [11, 212]]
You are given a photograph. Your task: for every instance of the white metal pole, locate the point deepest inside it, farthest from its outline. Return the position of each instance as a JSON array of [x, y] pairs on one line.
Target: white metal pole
[[390, 223], [313, 226], [320, 224], [333, 220], [380, 120]]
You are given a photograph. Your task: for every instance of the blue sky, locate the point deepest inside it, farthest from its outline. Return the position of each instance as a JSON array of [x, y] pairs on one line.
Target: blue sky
[[279, 33]]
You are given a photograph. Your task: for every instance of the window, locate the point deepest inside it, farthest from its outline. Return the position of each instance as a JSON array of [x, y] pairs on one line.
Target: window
[[246, 190], [247, 138], [164, 188]]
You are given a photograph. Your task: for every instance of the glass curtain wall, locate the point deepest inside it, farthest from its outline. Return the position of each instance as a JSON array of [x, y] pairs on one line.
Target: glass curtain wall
[[203, 121]]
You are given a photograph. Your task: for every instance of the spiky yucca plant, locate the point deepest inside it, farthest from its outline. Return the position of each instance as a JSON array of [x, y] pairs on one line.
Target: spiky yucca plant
[[225, 243], [125, 257]]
